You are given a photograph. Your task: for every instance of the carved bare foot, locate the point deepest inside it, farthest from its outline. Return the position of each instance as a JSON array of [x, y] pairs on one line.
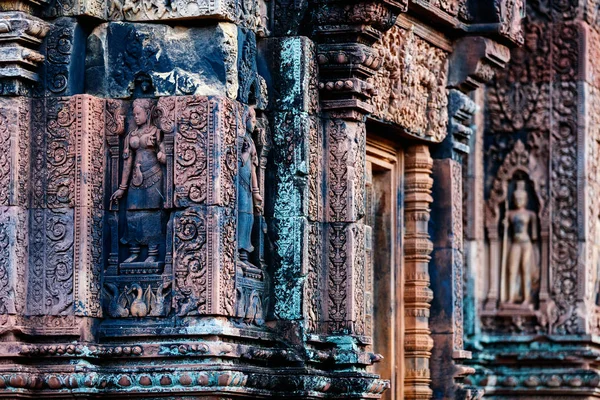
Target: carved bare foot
[[152, 254], [135, 253]]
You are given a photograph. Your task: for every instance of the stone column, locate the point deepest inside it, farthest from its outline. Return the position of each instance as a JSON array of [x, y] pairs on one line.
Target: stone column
[[345, 34], [417, 294], [21, 35], [471, 65]]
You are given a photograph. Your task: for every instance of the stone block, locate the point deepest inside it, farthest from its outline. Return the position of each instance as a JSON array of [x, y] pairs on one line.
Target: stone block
[[65, 261], [15, 120], [51, 256], [345, 165], [125, 59], [290, 70], [62, 71], [206, 150], [68, 152], [296, 176], [76, 8], [13, 259], [345, 279], [204, 261]]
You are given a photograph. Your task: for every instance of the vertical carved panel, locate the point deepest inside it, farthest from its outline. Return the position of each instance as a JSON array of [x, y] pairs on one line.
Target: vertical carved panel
[[67, 211], [314, 287], [89, 209], [206, 151], [345, 238], [345, 175], [345, 292], [14, 181], [13, 259], [204, 259], [417, 295], [191, 149]]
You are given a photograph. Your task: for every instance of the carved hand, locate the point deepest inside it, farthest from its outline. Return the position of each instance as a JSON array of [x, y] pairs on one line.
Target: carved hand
[[258, 202], [117, 195], [162, 158]]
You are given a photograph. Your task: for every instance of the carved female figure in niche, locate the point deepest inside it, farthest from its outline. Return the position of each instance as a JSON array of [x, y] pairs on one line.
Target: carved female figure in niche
[[520, 256], [143, 156], [249, 198]]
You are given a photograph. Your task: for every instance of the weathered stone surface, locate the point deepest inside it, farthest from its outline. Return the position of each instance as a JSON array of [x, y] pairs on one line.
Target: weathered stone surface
[[125, 59], [290, 71], [76, 8], [62, 72], [20, 37], [233, 199], [296, 175]]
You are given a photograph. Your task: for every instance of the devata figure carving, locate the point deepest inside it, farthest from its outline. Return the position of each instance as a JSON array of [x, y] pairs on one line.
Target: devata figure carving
[[142, 178], [249, 198], [519, 264]]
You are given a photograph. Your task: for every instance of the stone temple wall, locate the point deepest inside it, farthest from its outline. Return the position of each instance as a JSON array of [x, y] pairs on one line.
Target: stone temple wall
[[184, 209], [533, 244]]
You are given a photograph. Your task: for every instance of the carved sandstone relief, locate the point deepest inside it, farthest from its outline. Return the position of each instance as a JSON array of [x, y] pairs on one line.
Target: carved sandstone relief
[[250, 14], [66, 215], [188, 171], [518, 232], [411, 84]]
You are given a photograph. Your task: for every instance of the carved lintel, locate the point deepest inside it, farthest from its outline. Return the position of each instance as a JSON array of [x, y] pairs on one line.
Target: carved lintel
[[473, 62], [26, 6], [411, 94]]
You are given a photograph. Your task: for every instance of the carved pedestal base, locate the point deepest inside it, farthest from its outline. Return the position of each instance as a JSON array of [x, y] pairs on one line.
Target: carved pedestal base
[[141, 268]]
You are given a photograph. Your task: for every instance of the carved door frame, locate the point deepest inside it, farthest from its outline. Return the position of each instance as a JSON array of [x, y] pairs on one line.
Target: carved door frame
[[388, 161]]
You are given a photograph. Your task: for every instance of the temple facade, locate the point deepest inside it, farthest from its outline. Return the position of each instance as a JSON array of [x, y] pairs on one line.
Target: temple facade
[[300, 199]]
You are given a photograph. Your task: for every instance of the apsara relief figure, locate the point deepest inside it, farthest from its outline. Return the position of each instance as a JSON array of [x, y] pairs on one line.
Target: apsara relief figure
[[249, 199], [142, 179], [519, 255]]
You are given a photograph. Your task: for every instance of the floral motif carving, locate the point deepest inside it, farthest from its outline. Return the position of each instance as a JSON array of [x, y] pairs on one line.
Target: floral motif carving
[[410, 91], [191, 269]]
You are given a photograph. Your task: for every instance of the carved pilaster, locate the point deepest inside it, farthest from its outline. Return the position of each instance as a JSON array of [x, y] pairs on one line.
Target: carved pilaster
[[14, 181], [20, 36], [67, 207], [417, 294]]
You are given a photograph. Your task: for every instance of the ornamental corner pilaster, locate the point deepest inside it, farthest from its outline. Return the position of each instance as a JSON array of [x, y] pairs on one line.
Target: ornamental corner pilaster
[[21, 35]]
